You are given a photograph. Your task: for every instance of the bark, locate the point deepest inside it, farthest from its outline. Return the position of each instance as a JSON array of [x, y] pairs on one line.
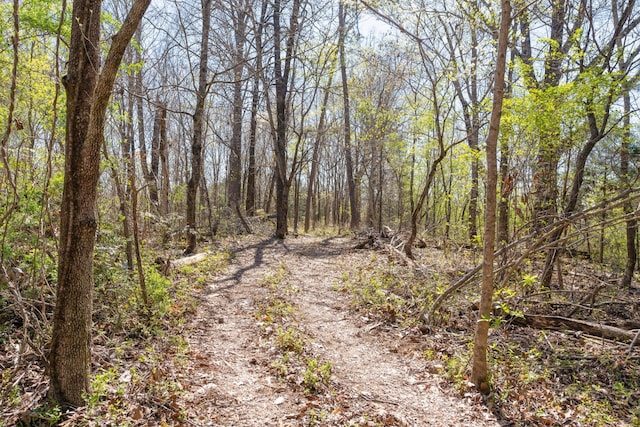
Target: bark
[[353, 200], [506, 184], [88, 94], [546, 176], [471, 117], [152, 178], [164, 163], [507, 180], [190, 260], [235, 152], [631, 228], [283, 183], [198, 131], [15, 42], [250, 202], [597, 132], [146, 174], [479, 372], [442, 153]]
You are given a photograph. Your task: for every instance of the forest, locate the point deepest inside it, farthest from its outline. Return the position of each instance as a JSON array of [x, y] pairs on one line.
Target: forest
[[352, 212]]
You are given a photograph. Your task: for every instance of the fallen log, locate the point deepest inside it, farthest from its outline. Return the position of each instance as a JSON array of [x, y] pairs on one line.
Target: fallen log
[[166, 265], [193, 259], [563, 323]]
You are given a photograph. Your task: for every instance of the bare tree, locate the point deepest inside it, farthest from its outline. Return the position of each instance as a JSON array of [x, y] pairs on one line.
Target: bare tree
[[282, 74], [198, 130], [348, 157]]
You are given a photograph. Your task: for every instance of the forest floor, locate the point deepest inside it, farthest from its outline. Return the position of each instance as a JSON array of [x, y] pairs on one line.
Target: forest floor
[[279, 301], [310, 331]]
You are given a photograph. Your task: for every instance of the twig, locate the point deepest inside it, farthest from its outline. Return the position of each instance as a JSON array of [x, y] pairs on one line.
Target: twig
[[591, 297], [633, 343]]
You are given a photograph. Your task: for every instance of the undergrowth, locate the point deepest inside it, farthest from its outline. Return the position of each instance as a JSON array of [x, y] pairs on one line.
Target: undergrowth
[[384, 294], [137, 350], [537, 377]]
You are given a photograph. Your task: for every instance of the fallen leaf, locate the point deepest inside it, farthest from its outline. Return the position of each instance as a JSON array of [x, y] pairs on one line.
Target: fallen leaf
[[137, 414]]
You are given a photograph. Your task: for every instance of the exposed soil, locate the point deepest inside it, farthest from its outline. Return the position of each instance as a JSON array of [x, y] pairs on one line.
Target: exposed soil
[[377, 378]]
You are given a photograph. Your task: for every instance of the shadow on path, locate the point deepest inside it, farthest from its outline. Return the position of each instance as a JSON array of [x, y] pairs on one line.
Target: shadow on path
[[258, 260], [328, 248]]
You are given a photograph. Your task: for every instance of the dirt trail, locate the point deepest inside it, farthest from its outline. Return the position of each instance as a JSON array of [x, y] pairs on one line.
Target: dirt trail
[[228, 379]]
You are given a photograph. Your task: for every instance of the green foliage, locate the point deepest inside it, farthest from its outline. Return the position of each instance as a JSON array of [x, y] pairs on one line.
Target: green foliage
[[315, 375], [100, 385], [44, 16], [376, 291], [47, 414], [282, 365], [275, 309], [290, 339], [275, 277], [158, 287]]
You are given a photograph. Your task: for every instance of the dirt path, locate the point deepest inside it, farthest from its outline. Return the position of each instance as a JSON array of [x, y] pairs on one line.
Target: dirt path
[[228, 377]]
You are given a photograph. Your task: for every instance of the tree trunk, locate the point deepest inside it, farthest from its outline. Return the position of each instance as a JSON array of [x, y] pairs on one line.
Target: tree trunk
[[88, 94], [250, 202], [631, 229], [164, 163], [296, 203], [631, 222], [283, 183], [472, 122], [597, 329], [235, 152], [353, 200], [154, 172], [479, 372], [198, 131], [546, 175], [442, 153]]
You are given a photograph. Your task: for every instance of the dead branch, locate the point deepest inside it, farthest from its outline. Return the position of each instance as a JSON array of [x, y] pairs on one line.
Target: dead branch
[[591, 297], [540, 242]]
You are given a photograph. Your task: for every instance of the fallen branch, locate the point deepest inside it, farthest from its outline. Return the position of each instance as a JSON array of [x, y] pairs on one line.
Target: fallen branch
[[562, 323], [540, 243], [591, 297]]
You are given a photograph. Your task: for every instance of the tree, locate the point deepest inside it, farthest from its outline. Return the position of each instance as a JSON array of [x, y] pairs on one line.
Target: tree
[[315, 156], [468, 92], [239, 18], [597, 88], [197, 140], [479, 373], [88, 91], [348, 158], [250, 205], [282, 75]]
